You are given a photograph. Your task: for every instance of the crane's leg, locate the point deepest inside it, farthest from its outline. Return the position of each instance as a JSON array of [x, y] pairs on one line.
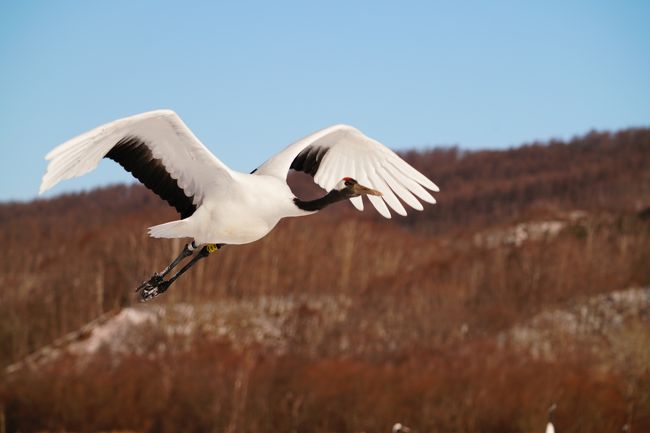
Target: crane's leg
[[157, 277], [156, 286]]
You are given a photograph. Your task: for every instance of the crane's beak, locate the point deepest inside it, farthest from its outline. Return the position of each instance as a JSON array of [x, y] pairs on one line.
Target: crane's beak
[[359, 189]]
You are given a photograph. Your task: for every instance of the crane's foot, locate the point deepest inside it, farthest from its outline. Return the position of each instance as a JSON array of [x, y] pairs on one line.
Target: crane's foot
[[156, 285], [152, 288], [151, 282]]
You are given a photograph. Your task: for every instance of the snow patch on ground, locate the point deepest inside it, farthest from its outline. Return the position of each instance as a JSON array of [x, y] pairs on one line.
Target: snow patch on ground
[[274, 323], [599, 325], [517, 235], [523, 232], [111, 333]]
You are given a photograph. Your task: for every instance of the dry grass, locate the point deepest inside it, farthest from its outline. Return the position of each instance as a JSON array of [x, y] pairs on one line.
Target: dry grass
[[418, 344]]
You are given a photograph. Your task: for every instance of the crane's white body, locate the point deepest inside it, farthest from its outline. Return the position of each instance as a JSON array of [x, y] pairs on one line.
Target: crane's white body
[[245, 213], [234, 207]]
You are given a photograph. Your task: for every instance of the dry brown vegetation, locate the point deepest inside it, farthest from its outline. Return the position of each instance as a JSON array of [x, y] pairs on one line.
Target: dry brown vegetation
[[428, 302]]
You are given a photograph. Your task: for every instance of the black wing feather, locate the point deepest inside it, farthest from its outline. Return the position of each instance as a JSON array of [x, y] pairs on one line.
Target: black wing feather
[[309, 159], [134, 155]]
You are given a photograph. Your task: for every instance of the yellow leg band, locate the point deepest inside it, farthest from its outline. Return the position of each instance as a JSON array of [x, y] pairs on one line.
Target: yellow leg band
[[211, 248]]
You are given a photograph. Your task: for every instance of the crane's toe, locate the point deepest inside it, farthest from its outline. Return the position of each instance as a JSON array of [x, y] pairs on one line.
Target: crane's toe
[[153, 282], [153, 288]]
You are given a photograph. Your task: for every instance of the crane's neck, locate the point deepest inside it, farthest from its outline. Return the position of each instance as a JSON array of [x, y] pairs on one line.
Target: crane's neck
[[315, 205]]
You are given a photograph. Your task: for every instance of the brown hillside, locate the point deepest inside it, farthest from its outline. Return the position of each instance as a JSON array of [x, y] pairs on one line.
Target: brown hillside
[[383, 321]]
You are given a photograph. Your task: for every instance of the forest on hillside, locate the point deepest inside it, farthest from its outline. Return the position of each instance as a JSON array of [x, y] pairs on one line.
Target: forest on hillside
[[422, 307]]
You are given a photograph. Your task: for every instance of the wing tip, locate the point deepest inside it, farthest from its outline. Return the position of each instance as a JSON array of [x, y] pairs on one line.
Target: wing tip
[[357, 202], [400, 212], [46, 183], [50, 155], [427, 183]]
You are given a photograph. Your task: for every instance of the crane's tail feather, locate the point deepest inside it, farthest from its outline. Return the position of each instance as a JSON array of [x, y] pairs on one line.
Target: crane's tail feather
[[173, 229]]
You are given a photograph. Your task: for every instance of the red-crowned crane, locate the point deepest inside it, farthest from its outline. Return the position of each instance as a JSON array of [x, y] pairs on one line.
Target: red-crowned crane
[[221, 206]]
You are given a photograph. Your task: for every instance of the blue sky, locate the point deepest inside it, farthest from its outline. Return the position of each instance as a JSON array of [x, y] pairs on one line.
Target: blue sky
[[251, 77]]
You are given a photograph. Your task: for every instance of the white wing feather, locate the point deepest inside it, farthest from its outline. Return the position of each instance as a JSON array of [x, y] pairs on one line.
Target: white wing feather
[[351, 154], [185, 158]]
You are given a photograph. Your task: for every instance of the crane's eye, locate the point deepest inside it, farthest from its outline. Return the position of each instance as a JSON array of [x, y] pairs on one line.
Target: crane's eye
[[348, 181]]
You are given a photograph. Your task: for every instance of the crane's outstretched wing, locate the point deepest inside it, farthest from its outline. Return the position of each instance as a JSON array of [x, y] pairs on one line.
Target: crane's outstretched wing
[[156, 147], [343, 151]]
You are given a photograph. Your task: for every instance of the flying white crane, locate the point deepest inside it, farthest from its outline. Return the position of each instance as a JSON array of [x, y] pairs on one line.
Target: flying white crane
[[221, 206]]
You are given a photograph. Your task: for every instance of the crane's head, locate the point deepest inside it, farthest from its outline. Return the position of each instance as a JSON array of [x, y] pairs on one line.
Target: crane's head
[[351, 188]]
